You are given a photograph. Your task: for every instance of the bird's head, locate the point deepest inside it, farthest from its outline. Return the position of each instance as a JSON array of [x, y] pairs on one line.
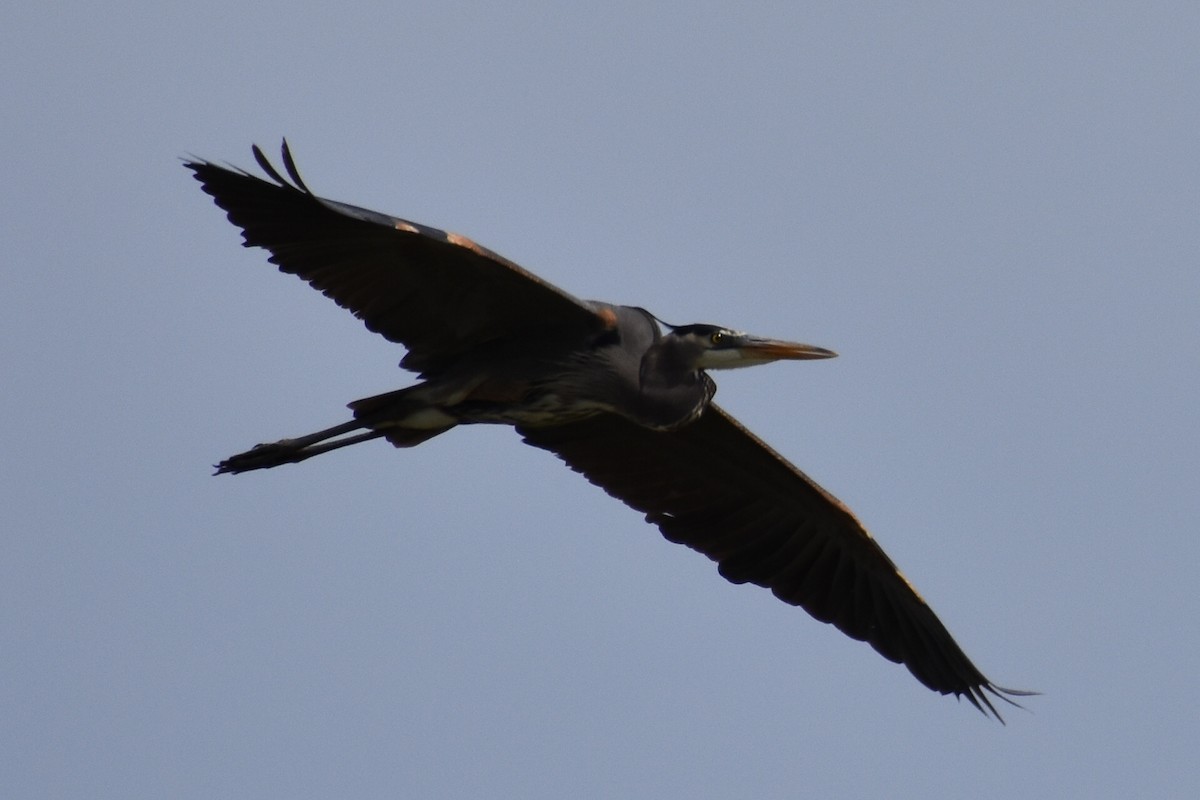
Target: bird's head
[[714, 347]]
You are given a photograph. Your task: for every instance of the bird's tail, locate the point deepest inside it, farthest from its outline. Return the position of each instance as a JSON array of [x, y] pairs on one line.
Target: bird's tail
[[405, 417]]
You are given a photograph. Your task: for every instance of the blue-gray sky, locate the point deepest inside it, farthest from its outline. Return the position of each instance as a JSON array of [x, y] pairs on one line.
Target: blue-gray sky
[[989, 211]]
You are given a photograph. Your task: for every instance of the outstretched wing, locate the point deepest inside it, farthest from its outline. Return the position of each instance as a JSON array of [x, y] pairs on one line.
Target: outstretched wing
[[437, 293], [715, 487]]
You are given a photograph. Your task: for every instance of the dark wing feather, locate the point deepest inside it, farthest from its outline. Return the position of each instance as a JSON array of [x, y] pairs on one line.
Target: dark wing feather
[[437, 293], [715, 487]]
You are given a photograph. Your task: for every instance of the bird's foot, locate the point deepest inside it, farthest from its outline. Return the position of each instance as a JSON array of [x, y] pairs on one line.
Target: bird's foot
[[263, 456]]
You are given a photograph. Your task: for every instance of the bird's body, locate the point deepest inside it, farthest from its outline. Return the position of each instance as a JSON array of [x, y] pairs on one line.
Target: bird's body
[[602, 386], [563, 378]]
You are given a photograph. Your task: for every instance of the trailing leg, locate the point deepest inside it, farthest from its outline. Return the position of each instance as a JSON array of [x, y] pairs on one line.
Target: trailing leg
[[291, 451], [405, 417]]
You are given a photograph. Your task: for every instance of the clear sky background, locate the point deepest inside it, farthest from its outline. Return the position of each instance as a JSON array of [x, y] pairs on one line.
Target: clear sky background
[[989, 210]]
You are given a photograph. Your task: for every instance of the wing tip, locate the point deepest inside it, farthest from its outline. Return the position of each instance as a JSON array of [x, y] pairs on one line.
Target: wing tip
[[289, 164], [978, 697]]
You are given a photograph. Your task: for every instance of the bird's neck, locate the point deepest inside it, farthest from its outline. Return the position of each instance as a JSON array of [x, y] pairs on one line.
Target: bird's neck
[[672, 391], [668, 363]]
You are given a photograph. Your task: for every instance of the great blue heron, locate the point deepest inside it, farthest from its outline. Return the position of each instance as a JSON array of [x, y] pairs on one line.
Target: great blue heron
[[604, 388]]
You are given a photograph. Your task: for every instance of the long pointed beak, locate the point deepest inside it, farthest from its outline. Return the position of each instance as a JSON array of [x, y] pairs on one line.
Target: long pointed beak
[[755, 348], [749, 351]]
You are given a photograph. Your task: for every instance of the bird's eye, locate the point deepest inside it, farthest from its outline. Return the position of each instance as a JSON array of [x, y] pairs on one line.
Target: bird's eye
[[717, 337]]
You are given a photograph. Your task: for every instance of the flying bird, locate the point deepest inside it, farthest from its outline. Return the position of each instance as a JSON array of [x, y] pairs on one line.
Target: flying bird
[[617, 394]]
